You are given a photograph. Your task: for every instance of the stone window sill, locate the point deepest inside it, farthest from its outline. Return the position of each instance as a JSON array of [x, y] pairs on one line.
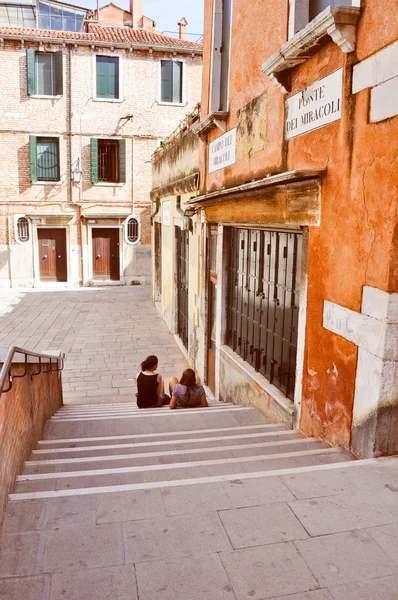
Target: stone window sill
[[213, 120], [337, 22]]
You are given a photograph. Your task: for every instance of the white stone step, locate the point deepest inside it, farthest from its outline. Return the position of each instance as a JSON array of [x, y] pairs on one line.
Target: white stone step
[[176, 471], [172, 435], [159, 457], [22, 494], [163, 445]]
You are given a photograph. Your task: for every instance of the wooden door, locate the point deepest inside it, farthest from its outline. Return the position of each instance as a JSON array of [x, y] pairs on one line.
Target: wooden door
[[106, 254], [212, 314], [52, 254]]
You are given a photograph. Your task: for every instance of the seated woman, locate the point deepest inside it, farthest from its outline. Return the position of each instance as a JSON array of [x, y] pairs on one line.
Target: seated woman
[[187, 393], [150, 385]]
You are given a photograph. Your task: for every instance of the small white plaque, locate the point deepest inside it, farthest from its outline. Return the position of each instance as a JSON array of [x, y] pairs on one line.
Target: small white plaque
[[166, 213], [222, 152], [315, 106]]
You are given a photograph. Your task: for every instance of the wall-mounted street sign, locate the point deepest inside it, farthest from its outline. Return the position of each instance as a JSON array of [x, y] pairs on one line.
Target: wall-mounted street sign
[[315, 106], [222, 152], [166, 213]]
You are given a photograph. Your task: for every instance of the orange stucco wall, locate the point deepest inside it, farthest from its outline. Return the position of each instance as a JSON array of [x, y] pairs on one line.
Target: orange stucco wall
[[356, 243]]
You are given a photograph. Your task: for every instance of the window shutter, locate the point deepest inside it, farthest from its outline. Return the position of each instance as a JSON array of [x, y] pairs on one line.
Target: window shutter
[[122, 161], [59, 87], [166, 77], [94, 160], [33, 157], [177, 81], [31, 70]]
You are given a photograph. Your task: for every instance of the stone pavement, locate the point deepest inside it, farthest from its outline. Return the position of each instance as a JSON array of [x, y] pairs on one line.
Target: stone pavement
[[105, 333]]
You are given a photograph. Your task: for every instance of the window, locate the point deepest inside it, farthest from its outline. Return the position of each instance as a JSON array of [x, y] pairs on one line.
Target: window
[[263, 302], [23, 229], [317, 6], [132, 231], [44, 159], [171, 81], [222, 23], [44, 73], [59, 18], [107, 77], [108, 160]]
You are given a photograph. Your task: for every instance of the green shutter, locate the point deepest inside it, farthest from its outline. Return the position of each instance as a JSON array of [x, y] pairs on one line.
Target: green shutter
[[33, 157], [31, 70], [59, 81], [94, 160], [122, 161], [177, 81], [167, 74], [107, 77]]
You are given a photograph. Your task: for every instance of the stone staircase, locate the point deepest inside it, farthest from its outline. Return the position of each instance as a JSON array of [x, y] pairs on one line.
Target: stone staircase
[[117, 448]]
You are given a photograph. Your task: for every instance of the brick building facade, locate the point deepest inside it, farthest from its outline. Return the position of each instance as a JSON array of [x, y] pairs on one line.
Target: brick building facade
[[80, 115]]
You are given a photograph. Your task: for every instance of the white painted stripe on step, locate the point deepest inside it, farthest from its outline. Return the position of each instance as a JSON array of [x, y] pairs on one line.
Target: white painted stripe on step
[[164, 443], [131, 487], [140, 412], [277, 426], [169, 413], [107, 457], [127, 406], [176, 465]]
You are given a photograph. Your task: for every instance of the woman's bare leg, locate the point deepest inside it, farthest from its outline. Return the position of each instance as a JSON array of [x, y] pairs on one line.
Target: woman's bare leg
[[172, 383]]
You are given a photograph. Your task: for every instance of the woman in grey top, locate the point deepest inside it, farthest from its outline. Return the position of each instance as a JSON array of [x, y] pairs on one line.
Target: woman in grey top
[[188, 393]]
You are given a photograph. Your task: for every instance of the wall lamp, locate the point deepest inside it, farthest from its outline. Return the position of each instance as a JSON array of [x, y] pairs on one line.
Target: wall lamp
[[77, 173], [190, 211]]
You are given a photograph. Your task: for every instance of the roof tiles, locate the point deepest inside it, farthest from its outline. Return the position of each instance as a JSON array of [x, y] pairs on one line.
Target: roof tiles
[[99, 33]]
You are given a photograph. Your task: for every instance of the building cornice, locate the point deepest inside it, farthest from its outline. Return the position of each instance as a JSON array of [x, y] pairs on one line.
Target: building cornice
[[211, 121], [189, 184], [286, 178], [337, 22]]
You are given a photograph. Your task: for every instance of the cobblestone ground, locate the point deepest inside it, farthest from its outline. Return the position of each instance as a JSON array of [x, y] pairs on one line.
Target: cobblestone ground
[[105, 334]]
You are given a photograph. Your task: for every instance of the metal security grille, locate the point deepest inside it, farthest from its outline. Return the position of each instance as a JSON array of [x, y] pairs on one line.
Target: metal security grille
[[108, 161], [263, 302], [182, 258], [23, 229], [132, 231], [47, 159]]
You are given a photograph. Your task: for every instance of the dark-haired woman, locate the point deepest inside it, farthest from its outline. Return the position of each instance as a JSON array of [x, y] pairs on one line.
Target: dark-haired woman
[[150, 385], [188, 392]]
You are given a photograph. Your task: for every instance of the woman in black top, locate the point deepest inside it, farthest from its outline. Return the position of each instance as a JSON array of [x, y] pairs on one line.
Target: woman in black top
[[150, 385]]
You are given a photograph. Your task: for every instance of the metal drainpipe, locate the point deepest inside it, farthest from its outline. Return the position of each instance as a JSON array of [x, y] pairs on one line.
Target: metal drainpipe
[[77, 204], [9, 245]]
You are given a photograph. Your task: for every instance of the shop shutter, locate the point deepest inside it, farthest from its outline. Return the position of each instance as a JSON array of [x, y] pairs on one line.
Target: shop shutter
[[166, 80], [59, 87], [33, 157], [94, 160], [122, 161], [31, 70]]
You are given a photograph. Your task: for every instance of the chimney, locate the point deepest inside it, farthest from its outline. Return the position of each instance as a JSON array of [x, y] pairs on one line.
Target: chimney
[[136, 11], [182, 29]]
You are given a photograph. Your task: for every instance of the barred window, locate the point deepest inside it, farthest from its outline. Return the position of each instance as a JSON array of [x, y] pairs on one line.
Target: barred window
[[23, 229], [132, 231]]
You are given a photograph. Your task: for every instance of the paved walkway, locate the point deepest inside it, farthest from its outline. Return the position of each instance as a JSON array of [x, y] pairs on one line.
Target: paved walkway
[[203, 504], [105, 334]]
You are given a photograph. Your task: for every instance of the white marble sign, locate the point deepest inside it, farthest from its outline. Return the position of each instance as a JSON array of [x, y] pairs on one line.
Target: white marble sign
[[315, 106], [222, 152], [166, 213]]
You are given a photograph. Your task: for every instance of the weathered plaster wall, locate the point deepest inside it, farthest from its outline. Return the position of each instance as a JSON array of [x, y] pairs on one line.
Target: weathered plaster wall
[[356, 242]]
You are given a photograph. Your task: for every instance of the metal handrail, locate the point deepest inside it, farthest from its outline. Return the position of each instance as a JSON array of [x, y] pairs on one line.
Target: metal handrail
[[5, 373]]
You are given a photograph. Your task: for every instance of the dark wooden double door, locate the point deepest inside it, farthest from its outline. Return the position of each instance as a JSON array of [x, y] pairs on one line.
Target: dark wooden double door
[[52, 254], [106, 264]]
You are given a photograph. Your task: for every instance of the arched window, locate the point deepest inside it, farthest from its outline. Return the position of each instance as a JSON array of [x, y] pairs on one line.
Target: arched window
[[132, 231], [23, 229]]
